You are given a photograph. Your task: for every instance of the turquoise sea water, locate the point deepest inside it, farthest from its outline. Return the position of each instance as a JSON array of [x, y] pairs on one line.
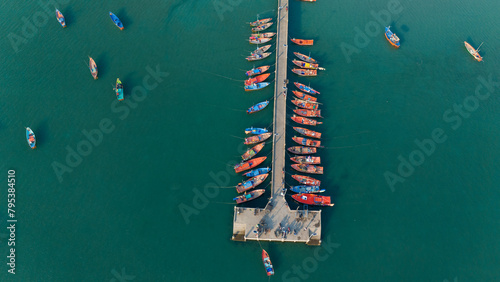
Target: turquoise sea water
[[117, 214]]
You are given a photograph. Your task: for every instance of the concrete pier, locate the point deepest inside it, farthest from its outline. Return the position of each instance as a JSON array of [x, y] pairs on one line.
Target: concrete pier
[[306, 224]]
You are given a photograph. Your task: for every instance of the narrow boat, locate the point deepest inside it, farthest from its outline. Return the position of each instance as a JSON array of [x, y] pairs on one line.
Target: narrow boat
[[391, 37], [308, 113], [119, 90], [257, 107], [257, 138], [254, 40], [305, 105], [263, 35], [307, 42], [257, 57], [93, 67], [307, 132], [306, 160], [252, 130], [304, 96], [259, 22], [314, 200], [251, 183], [116, 21], [299, 150], [305, 72], [257, 171], [60, 18], [305, 121], [306, 180], [257, 79], [306, 189], [250, 153], [30, 137], [261, 50], [262, 27], [248, 164], [256, 71], [305, 88], [306, 65], [474, 52], [314, 169], [304, 57], [307, 142], [249, 196], [256, 86], [267, 263]]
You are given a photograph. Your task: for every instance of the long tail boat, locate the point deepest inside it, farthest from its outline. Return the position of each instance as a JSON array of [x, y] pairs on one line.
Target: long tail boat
[[314, 200], [304, 96], [257, 107], [307, 142], [256, 86], [305, 105], [248, 164], [257, 171], [119, 90], [391, 37], [257, 138], [259, 22], [93, 67], [267, 263], [305, 88], [306, 180], [60, 18], [249, 196], [474, 52], [306, 160], [304, 57], [307, 42], [257, 79], [254, 40], [306, 189], [252, 130], [305, 121], [299, 150], [314, 169], [261, 50], [305, 72], [252, 152], [251, 183], [306, 65], [256, 71], [30, 137], [116, 21], [257, 57], [307, 132], [308, 113], [263, 35], [262, 27]]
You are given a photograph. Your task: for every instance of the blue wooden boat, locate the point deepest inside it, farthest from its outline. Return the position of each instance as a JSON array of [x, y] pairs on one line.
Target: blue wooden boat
[[252, 130], [257, 107], [306, 189], [256, 86], [257, 171], [60, 18], [267, 263], [116, 21], [30, 137], [119, 90], [391, 37]]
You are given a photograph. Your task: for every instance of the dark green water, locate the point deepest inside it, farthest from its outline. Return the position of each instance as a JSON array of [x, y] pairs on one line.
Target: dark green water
[[117, 215]]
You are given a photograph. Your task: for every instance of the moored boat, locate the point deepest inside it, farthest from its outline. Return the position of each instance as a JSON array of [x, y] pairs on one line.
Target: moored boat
[[249, 196], [257, 171], [307, 132], [307, 142], [257, 107], [305, 121], [308, 42], [305, 88], [251, 183], [60, 18], [257, 57], [256, 71], [305, 72], [116, 21], [304, 57], [252, 130], [257, 138], [305, 105], [306, 180], [391, 37], [119, 90], [261, 50], [267, 263], [314, 200], [306, 160], [300, 150], [314, 169], [259, 22], [262, 27], [304, 96], [252, 152], [263, 35], [257, 79], [474, 52], [30, 137], [306, 189], [308, 113], [306, 65], [256, 86], [93, 67], [249, 164], [255, 40]]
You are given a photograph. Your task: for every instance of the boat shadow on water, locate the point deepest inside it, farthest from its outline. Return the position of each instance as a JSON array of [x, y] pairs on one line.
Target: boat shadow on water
[[40, 131], [400, 32], [124, 18]]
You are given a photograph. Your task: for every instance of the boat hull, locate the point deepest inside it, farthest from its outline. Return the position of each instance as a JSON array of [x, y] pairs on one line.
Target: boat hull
[[119, 90], [306, 160], [308, 113], [93, 68], [307, 132], [257, 131], [305, 121], [262, 27], [257, 79], [30, 137], [116, 21], [256, 71], [249, 164], [312, 199], [60, 18], [304, 96], [307, 189], [257, 171], [305, 105], [313, 169], [391, 37], [305, 72], [267, 263], [304, 88], [260, 22], [306, 180], [249, 196], [300, 150], [256, 86], [257, 57], [257, 138], [303, 42], [307, 142], [258, 107], [250, 153], [474, 53], [304, 57], [251, 183]]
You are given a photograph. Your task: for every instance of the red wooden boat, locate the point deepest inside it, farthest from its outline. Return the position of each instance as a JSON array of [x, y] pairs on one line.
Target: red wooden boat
[[304, 96], [257, 79], [307, 132], [267, 263], [253, 151], [249, 164], [308, 113], [307, 42], [259, 22], [300, 150], [307, 142], [251, 183], [256, 71], [257, 138], [305, 121], [249, 196], [305, 105], [312, 199], [314, 169], [305, 88], [306, 180], [305, 72], [306, 160]]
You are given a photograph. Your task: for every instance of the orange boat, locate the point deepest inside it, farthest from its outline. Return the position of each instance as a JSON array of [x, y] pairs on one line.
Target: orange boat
[[257, 138], [314, 169], [306, 65], [312, 199], [253, 151], [257, 79], [249, 164], [305, 72], [474, 52], [307, 132], [305, 121], [299, 150], [259, 70], [304, 96], [308, 42], [306, 160], [305, 105], [308, 113], [251, 183], [306, 180], [93, 67], [307, 142]]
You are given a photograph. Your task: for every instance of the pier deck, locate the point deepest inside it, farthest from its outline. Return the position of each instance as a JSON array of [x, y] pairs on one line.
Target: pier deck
[[307, 224]]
